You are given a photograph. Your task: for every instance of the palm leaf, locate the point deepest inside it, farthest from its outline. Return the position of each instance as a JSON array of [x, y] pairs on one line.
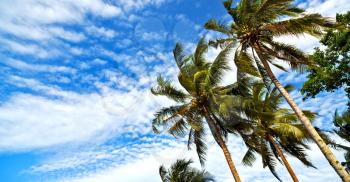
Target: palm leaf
[[178, 128], [163, 174], [286, 129], [201, 49], [249, 157], [212, 24], [201, 148], [179, 55], [165, 88], [245, 63], [311, 24], [220, 64]]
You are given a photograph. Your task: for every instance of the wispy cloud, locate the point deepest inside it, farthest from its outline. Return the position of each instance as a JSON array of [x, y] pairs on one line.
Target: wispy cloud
[[21, 65]]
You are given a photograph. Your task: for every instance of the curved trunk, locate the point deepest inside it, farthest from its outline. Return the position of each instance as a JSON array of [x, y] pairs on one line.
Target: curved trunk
[[307, 124], [216, 133], [285, 161]]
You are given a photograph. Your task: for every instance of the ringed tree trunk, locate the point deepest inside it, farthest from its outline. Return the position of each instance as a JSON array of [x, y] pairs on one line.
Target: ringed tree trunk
[[306, 122], [222, 144], [285, 161]]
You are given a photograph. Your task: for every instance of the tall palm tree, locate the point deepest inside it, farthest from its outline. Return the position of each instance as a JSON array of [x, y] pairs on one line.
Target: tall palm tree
[[276, 130], [255, 25], [342, 124], [196, 101], [181, 171]]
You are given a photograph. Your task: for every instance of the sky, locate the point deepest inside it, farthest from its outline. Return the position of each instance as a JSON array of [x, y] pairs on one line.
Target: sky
[[75, 104]]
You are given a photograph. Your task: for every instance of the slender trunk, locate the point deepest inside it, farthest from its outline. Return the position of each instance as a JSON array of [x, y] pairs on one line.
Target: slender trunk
[[222, 144], [307, 124], [285, 162]]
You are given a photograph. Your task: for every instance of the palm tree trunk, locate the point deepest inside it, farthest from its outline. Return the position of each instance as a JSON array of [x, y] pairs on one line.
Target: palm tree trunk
[[222, 144], [285, 161], [307, 124]]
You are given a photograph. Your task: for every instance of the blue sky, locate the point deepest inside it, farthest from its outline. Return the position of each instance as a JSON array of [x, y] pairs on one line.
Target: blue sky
[[74, 93]]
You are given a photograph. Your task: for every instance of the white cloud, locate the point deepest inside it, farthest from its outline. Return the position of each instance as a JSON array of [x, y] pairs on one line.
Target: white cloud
[[327, 7], [98, 61], [38, 67], [101, 31], [129, 5], [63, 117], [18, 16], [27, 49], [151, 36], [66, 35]]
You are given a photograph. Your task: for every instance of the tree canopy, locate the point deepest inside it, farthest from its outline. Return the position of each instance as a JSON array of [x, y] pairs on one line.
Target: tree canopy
[[333, 70]]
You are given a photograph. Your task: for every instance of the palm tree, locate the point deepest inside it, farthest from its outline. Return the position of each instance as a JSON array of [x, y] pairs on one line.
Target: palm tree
[[276, 130], [342, 124], [181, 171], [199, 80], [255, 25]]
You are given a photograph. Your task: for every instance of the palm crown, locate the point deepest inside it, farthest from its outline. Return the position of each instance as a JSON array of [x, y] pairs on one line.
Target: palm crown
[[275, 129], [181, 171], [257, 22]]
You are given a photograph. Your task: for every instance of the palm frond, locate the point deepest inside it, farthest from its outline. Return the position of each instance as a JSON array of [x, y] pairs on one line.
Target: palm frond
[[215, 25], [286, 129], [201, 147], [220, 64], [268, 160], [297, 150], [179, 55], [199, 55], [167, 115], [245, 63], [163, 174], [269, 10], [186, 82], [312, 24], [222, 43], [178, 128], [249, 157], [165, 88], [200, 79], [292, 55]]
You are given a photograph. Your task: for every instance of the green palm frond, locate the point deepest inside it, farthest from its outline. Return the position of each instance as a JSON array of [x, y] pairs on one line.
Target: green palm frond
[[201, 147], [311, 24], [219, 66], [217, 26], [165, 88], [178, 129], [186, 82], [195, 122], [245, 63], [286, 129], [199, 55], [267, 158], [167, 115], [288, 116], [199, 80], [179, 55], [270, 10], [297, 151], [292, 55], [249, 157], [222, 43]]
